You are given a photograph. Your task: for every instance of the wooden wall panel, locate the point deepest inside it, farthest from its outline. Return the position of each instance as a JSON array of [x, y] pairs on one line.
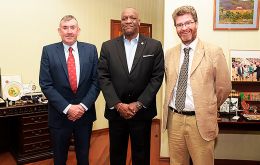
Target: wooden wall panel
[[115, 29]]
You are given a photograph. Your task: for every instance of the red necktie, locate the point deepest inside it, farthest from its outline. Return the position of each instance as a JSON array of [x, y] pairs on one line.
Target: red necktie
[[72, 71]]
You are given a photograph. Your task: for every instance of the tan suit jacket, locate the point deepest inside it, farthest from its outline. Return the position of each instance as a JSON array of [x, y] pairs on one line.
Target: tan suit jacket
[[210, 84]]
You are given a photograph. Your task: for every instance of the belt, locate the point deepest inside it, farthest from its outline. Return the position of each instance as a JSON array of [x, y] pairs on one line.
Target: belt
[[188, 113]]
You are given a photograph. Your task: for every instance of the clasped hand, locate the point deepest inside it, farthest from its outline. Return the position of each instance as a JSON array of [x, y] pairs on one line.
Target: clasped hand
[[127, 111], [75, 112]]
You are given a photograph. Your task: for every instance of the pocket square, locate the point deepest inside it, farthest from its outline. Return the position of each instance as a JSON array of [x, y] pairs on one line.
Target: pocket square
[[148, 55]]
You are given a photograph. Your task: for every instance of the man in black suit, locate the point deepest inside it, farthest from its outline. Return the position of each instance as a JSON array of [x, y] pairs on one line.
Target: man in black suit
[[257, 70], [131, 69], [240, 72], [68, 78]]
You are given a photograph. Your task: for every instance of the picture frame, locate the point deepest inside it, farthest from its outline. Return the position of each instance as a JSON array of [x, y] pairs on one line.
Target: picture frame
[[244, 65], [233, 105], [224, 108], [6, 79], [236, 15], [230, 106]]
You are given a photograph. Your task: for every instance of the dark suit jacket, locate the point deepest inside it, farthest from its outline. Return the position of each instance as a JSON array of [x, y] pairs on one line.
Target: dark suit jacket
[[55, 85], [257, 70], [141, 84], [240, 71]]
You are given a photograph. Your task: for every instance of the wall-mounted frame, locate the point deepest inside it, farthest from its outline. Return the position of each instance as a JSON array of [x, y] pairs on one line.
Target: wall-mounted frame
[[236, 15], [115, 29], [244, 64]]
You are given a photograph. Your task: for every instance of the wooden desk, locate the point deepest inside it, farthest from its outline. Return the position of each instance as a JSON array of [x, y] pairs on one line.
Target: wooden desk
[[25, 132], [227, 123]]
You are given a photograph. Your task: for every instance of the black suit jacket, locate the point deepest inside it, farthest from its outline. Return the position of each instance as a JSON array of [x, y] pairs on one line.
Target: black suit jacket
[[141, 84], [55, 85], [257, 70]]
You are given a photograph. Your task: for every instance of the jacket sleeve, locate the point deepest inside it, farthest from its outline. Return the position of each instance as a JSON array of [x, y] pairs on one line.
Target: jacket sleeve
[[47, 84], [94, 90], [222, 78], [105, 81]]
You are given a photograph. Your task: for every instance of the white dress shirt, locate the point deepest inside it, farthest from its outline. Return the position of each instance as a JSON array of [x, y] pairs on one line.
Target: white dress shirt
[[130, 49], [75, 53], [189, 103]]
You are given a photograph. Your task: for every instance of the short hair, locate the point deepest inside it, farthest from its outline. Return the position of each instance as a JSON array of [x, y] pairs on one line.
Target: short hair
[[68, 18], [185, 10]]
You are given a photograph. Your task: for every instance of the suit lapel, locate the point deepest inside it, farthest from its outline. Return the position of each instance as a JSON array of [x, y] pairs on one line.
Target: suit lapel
[[121, 53], [178, 56], [198, 55], [174, 61], [82, 60], [139, 51], [61, 56]]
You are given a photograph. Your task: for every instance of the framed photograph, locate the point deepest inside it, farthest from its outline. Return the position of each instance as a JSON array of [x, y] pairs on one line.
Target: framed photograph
[[7, 79], [229, 106], [236, 15], [224, 108], [245, 65], [233, 105]]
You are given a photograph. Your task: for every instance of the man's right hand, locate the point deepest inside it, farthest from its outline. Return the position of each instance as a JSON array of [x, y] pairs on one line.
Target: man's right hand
[[75, 112], [124, 111]]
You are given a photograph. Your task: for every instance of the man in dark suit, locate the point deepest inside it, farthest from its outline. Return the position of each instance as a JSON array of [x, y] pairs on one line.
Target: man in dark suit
[[131, 69], [240, 72], [68, 78], [257, 70]]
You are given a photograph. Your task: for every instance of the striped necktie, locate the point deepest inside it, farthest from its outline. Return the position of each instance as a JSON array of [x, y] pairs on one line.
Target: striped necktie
[[182, 82]]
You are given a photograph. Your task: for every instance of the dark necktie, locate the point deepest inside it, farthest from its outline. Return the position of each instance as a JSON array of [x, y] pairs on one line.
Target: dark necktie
[[182, 82], [72, 71]]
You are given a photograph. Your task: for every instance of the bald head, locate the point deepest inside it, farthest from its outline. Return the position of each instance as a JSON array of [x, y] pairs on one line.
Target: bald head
[[130, 9]]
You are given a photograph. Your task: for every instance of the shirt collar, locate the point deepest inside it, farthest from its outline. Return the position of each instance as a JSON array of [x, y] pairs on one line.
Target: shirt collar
[[74, 46], [192, 45], [134, 39]]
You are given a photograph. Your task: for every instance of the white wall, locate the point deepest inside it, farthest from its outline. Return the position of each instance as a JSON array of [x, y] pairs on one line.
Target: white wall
[[241, 146]]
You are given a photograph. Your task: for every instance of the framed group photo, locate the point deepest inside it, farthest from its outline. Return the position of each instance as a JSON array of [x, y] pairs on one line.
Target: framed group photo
[[224, 108], [244, 65], [236, 15], [229, 106]]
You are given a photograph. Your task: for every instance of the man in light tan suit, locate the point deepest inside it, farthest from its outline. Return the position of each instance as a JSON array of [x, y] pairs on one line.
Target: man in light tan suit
[[192, 126]]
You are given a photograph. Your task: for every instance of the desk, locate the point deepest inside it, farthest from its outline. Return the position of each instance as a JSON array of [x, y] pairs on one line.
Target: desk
[[25, 132], [227, 123], [238, 140]]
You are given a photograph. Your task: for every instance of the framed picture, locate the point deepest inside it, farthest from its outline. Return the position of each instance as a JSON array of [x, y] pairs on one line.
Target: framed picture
[[245, 65], [236, 15], [9, 79], [224, 108], [229, 106], [233, 105]]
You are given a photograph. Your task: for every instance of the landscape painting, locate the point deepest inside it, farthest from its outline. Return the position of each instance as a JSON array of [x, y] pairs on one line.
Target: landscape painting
[[236, 15]]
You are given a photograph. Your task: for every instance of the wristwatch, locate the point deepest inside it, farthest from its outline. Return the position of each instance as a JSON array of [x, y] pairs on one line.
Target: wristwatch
[[139, 105]]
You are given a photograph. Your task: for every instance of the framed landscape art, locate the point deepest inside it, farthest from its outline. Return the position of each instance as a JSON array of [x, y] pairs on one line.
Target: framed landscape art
[[236, 15]]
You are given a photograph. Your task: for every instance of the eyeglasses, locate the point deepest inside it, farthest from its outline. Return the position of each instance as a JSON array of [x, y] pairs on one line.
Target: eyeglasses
[[186, 24]]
